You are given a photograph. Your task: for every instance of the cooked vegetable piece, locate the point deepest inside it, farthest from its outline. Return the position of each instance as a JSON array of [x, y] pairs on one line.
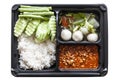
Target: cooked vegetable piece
[[64, 21], [42, 32], [89, 26], [33, 16], [20, 26], [31, 27], [79, 22], [52, 26], [39, 13], [94, 22], [78, 16], [76, 28]]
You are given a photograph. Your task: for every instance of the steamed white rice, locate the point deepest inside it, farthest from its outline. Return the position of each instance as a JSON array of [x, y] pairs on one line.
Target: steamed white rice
[[35, 56]]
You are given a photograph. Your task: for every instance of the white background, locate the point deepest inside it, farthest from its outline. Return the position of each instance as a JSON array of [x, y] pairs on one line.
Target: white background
[[114, 38]]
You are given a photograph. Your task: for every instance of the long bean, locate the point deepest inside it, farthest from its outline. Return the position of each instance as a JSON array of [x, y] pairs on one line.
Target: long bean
[[34, 16], [39, 13], [24, 6], [42, 9]]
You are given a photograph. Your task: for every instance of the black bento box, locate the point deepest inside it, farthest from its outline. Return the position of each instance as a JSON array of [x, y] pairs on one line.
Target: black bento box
[[99, 9]]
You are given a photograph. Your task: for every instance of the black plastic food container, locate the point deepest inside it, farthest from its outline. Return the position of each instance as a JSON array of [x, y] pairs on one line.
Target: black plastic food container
[[99, 9]]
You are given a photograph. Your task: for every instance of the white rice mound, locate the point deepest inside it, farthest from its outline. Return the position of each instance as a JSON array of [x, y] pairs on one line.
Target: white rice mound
[[35, 56]]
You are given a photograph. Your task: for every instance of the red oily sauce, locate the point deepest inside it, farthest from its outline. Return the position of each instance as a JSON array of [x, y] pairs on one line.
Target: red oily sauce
[[78, 56]]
